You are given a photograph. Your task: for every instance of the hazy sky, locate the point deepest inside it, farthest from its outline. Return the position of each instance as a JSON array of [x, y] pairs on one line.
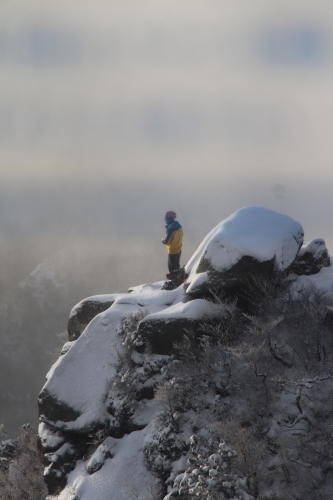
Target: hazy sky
[[208, 105], [113, 112]]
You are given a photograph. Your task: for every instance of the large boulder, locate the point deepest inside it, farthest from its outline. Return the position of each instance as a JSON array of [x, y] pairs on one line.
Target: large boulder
[[311, 258], [86, 310], [73, 397], [252, 242], [83, 312], [162, 330]]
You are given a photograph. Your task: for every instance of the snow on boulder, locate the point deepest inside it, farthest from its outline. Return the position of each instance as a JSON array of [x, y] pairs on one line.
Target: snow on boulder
[[60, 462], [73, 398], [48, 440], [253, 241], [85, 311], [123, 475], [321, 282], [311, 258], [165, 328], [81, 396]]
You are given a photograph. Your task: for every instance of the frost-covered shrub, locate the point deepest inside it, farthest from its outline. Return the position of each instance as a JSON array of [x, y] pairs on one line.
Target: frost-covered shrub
[[131, 385], [172, 396], [258, 379], [266, 391], [21, 473], [209, 477], [165, 446], [249, 449], [128, 331]]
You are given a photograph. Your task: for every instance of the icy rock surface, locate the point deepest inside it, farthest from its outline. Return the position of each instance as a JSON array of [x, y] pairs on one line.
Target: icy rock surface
[[252, 241]]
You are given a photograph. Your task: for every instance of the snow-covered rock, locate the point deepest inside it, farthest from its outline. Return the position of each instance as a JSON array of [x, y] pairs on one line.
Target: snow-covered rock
[[83, 312], [113, 414], [163, 329], [74, 394], [253, 241], [103, 452], [124, 474], [75, 398], [311, 258], [321, 282]]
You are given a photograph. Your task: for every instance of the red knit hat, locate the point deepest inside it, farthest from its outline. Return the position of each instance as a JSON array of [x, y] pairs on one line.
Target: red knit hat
[[171, 213]]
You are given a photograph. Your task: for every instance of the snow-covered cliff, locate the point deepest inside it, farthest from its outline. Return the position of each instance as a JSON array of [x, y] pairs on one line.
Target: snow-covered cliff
[[210, 390]]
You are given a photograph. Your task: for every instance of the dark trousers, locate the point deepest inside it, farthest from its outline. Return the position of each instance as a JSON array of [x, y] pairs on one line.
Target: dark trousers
[[173, 261]]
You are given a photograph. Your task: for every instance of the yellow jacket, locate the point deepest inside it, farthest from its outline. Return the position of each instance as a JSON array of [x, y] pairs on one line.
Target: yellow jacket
[[174, 237]]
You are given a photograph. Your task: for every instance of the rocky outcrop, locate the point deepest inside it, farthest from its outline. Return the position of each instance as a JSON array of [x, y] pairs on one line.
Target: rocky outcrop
[[61, 461], [161, 331], [85, 311], [311, 258], [253, 242], [79, 397], [50, 408], [100, 409]]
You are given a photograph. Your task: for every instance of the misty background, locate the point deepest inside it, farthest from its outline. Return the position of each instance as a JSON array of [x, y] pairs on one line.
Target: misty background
[[112, 113]]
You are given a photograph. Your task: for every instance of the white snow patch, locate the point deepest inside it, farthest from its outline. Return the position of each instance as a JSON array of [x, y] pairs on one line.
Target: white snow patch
[[121, 478], [197, 280], [48, 438], [195, 309], [80, 378], [144, 413], [254, 231], [323, 281], [95, 298], [66, 347], [105, 450], [316, 247], [180, 465], [54, 456], [146, 287]]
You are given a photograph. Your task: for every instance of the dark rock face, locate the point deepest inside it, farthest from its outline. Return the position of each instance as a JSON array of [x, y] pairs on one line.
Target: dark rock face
[[83, 313], [55, 410], [251, 243], [59, 452], [161, 335], [160, 332], [60, 462], [233, 279], [312, 258]]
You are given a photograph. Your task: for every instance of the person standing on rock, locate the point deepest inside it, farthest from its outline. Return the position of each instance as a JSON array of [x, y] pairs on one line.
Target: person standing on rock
[[173, 240]]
